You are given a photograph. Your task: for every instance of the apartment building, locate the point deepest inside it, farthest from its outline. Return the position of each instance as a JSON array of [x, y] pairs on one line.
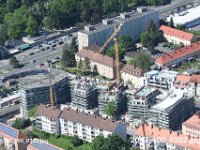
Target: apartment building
[[12, 139], [160, 79], [132, 24], [47, 119], [100, 63], [179, 56], [176, 36], [172, 111], [190, 84], [132, 74], [112, 93], [83, 94], [87, 126], [9, 100], [38, 144], [152, 137], [191, 126], [139, 103], [36, 90]]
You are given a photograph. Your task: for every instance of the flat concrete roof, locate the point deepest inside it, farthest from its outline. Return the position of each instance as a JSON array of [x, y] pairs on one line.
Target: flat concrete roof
[[117, 20], [192, 14], [145, 91], [162, 74], [170, 101], [36, 81]]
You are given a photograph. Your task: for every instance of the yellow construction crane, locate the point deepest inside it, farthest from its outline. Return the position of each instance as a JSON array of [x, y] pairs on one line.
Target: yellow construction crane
[[50, 87], [116, 47]]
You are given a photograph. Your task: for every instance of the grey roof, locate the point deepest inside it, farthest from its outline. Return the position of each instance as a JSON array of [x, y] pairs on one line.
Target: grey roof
[[8, 131], [89, 120], [39, 145]]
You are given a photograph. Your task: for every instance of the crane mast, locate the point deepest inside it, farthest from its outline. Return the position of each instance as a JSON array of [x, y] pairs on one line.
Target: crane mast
[[116, 47], [50, 87]]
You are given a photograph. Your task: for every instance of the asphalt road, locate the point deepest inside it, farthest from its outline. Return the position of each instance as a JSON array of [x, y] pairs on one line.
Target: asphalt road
[[164, 10], [40, 57]]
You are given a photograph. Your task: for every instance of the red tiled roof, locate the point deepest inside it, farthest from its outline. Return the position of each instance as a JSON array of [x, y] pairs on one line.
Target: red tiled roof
[[89, 120], [176, 33], [50, 112], [96, 57], [179, 53], [168, 136], [193, 121], [130, 69], [182, 80]]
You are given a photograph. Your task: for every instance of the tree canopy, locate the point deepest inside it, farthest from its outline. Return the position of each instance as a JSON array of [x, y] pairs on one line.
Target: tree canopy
[[110, 109], [142, 60], [113, 142], [152, 36]]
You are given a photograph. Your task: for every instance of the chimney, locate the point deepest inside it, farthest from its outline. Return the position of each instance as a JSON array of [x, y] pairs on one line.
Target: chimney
[[152, 126], [159, 128], [170, 131], [77, 110], [113, 121]]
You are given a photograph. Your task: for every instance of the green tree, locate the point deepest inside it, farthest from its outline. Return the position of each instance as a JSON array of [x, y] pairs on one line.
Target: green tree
[[98, 143], [110, 109], [142, 61], [49, 22], [21, 123], [139, 2], [145, 38], [3, 34], [126, 43], [11, 5], [171, 23], [113, 142], [14, 62], [76, 141], [31, 26], [68, 57], [151, 26]]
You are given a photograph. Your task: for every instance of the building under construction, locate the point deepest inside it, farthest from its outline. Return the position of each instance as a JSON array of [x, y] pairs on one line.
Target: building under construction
[[83, 93], [112, 93], [36, 90]]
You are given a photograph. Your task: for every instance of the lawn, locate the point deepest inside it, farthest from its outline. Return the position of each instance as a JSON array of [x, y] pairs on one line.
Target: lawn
[[64, 142]]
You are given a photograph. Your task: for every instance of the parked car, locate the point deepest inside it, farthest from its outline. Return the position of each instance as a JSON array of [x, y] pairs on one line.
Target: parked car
[[60, 43]]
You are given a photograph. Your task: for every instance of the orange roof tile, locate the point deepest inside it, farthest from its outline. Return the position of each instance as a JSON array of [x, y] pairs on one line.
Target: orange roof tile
[[96, 57], [177, 33], [193, 121], [130, 69], [182, 80], [179, 53], [168, 136]]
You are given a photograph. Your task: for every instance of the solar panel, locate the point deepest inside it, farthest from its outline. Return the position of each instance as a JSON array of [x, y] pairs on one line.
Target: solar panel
[[9, 131], [43, 146]]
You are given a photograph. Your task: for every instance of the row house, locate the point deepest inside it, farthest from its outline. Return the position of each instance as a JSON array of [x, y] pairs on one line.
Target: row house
[[176, 36], [131, 74], [179, 56], [152, 137], [190, 84], [191, 126], [76, 123], [47, 119], [100, 63]]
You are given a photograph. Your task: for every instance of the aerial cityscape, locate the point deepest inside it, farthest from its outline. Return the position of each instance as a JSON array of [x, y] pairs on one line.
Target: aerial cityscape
[[99, 74]]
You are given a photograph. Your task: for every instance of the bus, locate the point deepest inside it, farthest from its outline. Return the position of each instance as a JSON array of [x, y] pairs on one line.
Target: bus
[[24, 47]]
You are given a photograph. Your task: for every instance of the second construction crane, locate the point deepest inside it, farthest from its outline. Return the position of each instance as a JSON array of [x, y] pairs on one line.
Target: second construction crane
[[50, 87], [116, 47]]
